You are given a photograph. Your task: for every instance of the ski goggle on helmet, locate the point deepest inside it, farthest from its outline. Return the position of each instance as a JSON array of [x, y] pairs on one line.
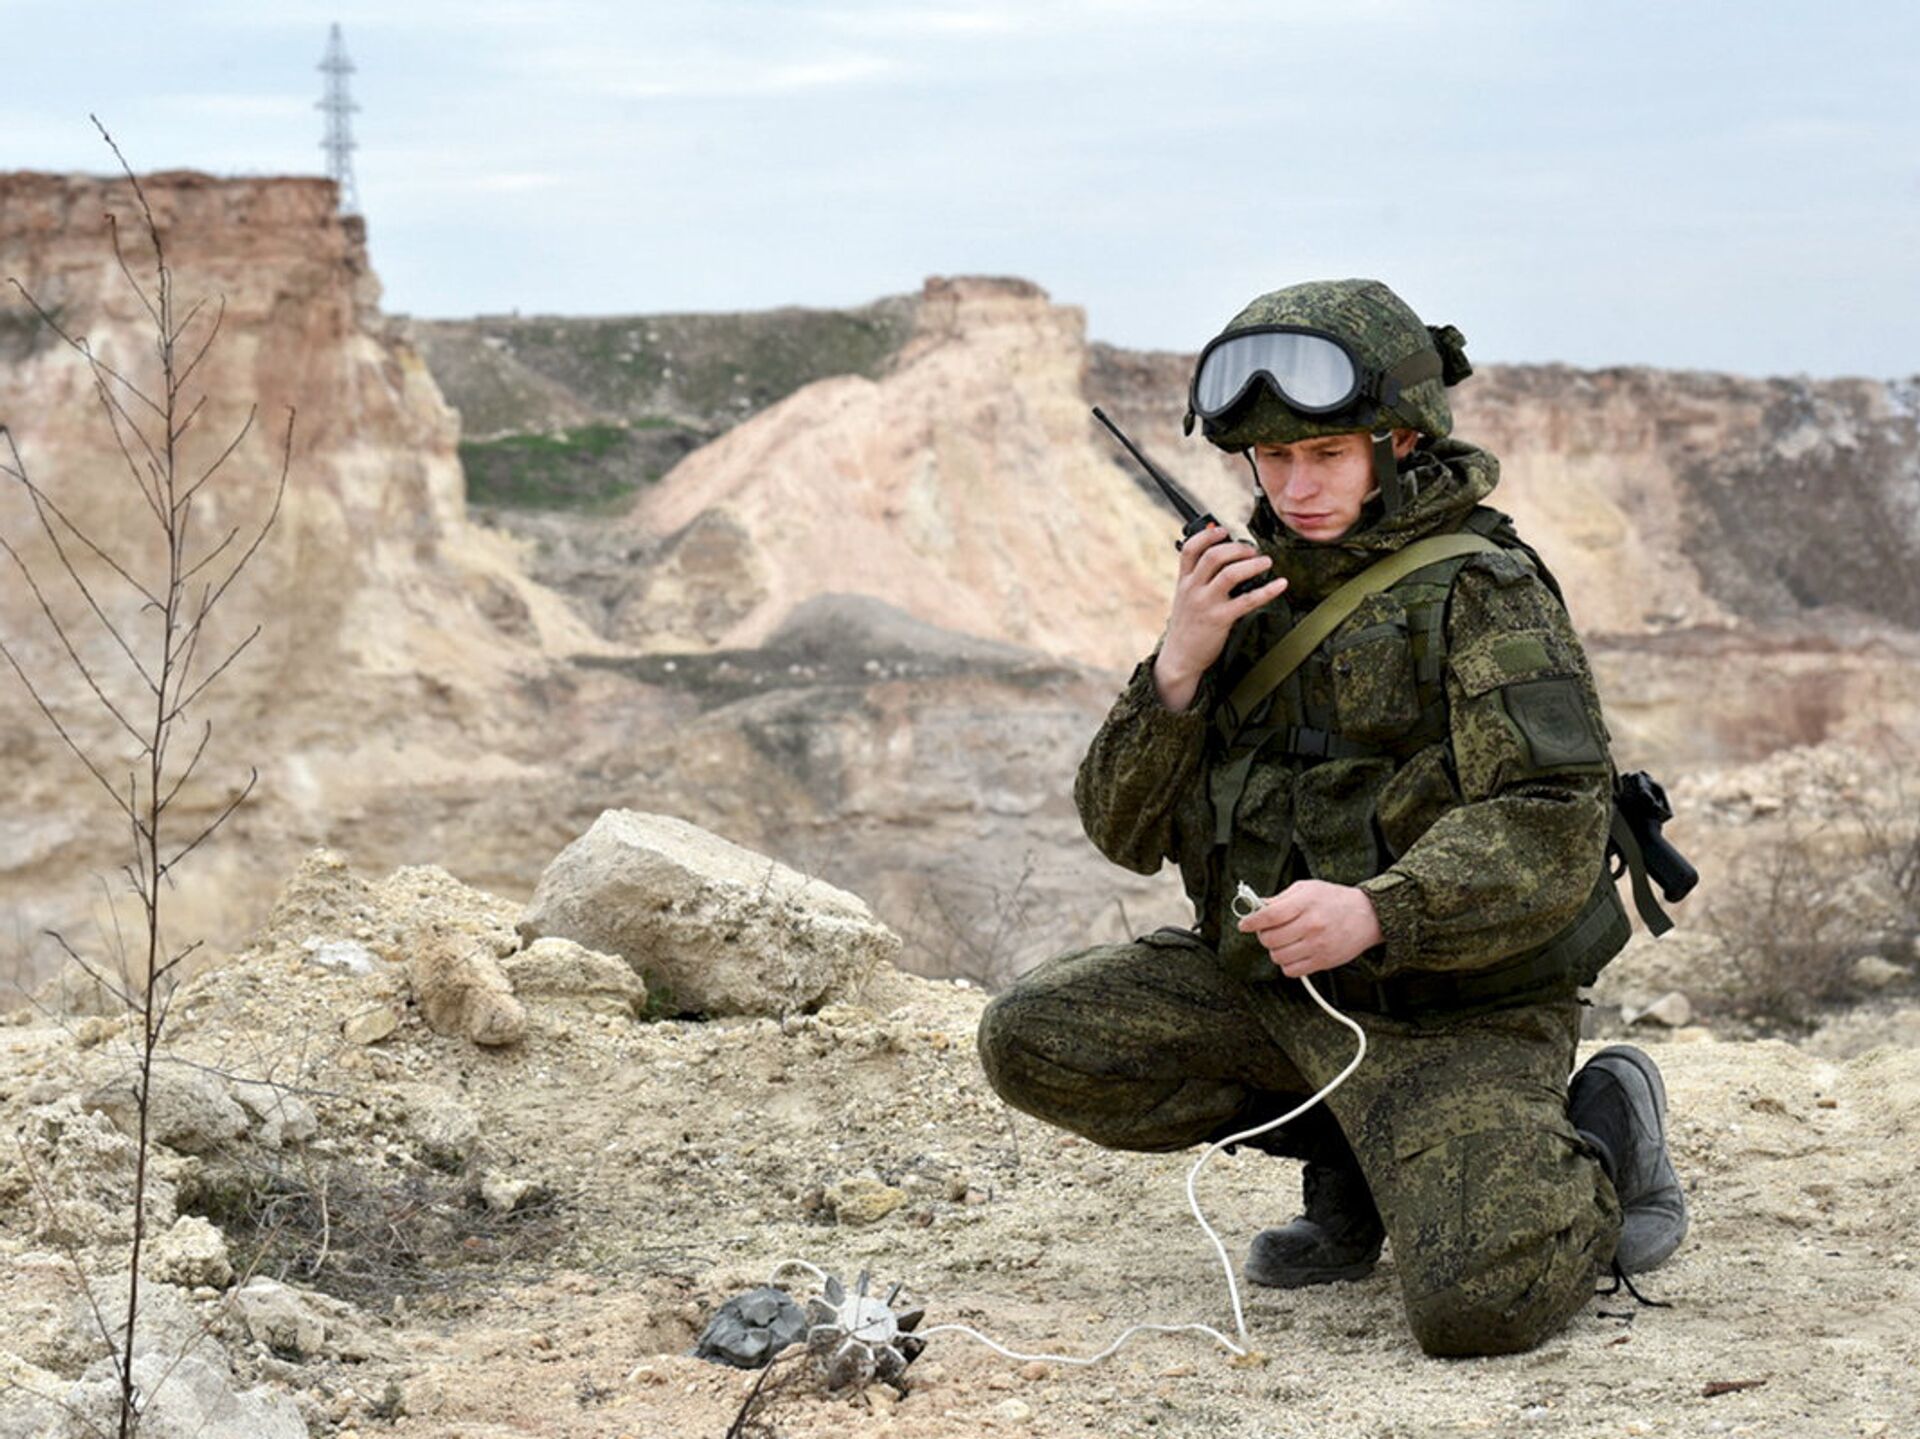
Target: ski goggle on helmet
[[1311, 371]]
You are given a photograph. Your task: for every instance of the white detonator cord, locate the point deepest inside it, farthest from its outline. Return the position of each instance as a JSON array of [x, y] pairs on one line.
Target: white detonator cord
[[1240, 1349]]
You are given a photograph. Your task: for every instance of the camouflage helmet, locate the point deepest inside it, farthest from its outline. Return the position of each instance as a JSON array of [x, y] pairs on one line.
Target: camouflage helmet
[[1405, 366]]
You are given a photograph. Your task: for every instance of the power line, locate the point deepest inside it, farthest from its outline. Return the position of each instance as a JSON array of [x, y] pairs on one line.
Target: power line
[[339, 106]]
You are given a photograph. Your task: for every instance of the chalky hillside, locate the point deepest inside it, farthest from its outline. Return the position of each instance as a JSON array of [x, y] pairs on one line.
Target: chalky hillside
[[665, 728]]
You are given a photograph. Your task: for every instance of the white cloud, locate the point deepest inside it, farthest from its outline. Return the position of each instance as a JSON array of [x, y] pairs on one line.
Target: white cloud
[[381, 15], [935, 22], [656, 78], [238, 107], [511, 182]]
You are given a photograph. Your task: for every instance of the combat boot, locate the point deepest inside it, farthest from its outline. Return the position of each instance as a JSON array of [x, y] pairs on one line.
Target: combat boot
[[1338, 1238], [1619, 1106]]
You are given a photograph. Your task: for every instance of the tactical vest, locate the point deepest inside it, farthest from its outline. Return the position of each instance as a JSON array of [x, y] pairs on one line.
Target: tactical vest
[[1336, 773]]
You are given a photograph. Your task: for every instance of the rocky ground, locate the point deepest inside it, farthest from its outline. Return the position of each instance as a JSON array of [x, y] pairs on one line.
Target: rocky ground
[[370, 1227]]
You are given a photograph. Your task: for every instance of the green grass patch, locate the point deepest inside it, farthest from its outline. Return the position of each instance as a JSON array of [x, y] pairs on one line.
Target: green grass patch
[[581, 468]]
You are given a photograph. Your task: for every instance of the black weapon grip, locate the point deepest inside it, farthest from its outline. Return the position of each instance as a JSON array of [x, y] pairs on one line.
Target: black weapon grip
[[1644, 803], [1667, 867]]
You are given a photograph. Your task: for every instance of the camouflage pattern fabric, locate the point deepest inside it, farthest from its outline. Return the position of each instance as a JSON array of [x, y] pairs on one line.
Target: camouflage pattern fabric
[[1498, 1215], [1488, 853], [1476, 841], [1380, 328]]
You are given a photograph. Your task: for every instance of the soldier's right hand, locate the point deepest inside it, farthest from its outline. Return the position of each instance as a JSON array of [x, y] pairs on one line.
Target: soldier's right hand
[[1212, 564]]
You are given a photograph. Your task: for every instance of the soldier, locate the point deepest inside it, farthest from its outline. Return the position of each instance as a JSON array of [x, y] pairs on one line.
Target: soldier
[[1422, 798]]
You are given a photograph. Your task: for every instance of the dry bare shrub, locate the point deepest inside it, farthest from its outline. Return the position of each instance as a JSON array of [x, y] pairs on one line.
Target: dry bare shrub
[[975, 929], [1796, 918], [1890, 837], [369, 1234], [1788, 937]]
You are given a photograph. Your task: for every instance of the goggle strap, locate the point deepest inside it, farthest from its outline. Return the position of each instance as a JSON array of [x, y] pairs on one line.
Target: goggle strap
[[1420, 365]]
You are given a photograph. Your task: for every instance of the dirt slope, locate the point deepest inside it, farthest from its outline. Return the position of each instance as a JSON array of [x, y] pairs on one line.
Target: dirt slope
[[678, 1162]]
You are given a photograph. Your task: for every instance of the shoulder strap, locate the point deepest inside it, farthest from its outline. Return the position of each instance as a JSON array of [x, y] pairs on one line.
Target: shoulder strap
[[1324, 618]]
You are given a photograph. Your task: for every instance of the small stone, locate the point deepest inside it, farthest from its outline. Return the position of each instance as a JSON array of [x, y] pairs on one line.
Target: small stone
[[299, 1326], [1693, 1034], [370, 1026], [192, 1253], [279, 1117], [863, 1199], [446, 1128], [503, 1195], [750, 1329], [559, 972], [1012, 1411], [342, 955], [279, 1318], [462, 991], [1870, 971], [95, 1029], [1826, 1101], [1672, 1009]]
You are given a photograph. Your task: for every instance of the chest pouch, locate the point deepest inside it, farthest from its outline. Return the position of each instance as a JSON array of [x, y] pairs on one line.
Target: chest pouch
[[1370, 661], [1253, 808]]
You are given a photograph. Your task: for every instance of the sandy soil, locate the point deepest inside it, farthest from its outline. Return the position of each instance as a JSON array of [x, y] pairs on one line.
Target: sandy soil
[[685, 1160]]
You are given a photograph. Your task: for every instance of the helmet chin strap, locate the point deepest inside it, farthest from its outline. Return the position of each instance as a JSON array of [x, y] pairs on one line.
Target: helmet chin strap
[[1395, 493]]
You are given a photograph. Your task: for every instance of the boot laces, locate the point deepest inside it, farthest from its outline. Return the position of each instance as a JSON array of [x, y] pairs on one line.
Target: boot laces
[[1621, 1281]]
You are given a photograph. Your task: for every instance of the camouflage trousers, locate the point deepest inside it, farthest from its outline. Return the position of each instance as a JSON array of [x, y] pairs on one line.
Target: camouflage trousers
[[1499, 1217]]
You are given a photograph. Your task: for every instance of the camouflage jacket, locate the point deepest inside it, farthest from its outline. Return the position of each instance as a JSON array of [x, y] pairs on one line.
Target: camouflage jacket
[[1476, 826]]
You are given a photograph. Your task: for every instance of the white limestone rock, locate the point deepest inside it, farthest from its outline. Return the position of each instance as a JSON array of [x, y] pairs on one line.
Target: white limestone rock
[[279, 1116], [188, 1109], [446, 1129], [1672, 1010], [192, 1254], [712, 928], [298, 1325], [189, 1397], [557, 972]]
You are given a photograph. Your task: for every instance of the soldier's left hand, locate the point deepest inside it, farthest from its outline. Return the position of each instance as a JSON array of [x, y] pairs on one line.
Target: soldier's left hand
[[1312, 925]]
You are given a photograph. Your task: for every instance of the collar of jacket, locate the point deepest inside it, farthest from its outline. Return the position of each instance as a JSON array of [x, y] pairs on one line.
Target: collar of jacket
[[1449, 478]]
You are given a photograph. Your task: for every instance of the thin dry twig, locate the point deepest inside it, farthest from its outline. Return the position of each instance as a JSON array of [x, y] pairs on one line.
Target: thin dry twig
[[158, 467]]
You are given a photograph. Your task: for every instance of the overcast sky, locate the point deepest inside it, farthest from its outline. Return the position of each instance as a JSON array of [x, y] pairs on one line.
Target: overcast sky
[[1725, 186]]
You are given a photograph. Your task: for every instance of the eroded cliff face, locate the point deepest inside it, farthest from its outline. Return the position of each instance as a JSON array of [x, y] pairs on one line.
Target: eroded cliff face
[[413, 696], [962, 486], [389, 626]]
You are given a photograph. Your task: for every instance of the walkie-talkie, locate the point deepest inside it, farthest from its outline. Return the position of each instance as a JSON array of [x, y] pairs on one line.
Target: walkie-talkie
[[1196, 519]]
